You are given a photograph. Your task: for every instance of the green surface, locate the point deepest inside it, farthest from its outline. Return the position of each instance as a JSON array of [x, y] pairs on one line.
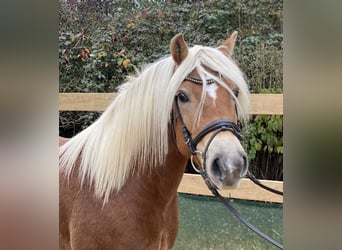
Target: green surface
[[204, 223]]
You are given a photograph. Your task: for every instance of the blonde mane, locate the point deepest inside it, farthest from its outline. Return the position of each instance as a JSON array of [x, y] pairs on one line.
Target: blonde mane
[[132, 133]]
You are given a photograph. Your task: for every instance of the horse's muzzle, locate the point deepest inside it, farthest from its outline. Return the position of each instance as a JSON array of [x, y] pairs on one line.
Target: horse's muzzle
[[226, 163]]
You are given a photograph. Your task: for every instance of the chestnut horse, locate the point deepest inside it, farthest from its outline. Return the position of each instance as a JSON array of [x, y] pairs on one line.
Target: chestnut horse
[[119, 177]]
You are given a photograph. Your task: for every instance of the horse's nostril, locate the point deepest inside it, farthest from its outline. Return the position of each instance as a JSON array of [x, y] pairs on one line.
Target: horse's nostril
[[244, 161], [244, 166], [216, 168]]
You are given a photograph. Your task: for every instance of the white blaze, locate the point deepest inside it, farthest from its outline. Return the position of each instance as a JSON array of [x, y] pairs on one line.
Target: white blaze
[[211, 91]]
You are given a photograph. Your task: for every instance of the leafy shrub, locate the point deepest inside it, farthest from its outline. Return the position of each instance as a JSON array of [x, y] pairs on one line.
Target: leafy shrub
[[93, 33], [263, 141]]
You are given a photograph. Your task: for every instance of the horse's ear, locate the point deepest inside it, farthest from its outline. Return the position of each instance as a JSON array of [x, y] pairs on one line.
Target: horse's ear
[[178, 48], [227, 46]]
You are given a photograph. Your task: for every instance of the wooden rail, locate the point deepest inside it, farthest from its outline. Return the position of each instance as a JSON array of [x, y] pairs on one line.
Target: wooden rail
[[247, 190], [260, 103], [193, 184]]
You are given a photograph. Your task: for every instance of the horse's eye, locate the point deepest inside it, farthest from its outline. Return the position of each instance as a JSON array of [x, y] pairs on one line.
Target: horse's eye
[[182, 97], [236, 93]]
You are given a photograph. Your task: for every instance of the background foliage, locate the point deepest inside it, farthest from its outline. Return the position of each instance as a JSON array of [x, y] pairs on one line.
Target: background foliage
[[101, 42]]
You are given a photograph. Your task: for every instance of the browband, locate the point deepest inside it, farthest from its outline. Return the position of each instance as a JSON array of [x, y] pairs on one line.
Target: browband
[[198, 81]]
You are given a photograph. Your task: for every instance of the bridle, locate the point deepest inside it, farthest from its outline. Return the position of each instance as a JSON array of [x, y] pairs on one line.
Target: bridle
[[217, 126]]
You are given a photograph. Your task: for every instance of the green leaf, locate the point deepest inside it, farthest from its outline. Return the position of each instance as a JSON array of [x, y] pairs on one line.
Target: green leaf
[[280, 150], [257, 146], [119, 61]]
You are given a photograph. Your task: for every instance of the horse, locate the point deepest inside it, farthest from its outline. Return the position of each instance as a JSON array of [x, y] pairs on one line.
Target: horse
[[119, 177]]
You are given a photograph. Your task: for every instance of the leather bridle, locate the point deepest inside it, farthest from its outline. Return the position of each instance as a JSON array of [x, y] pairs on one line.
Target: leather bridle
[[217, 126]]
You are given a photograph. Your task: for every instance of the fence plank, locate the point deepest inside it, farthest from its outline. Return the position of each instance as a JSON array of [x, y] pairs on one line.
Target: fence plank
[[85, 101], [194, 184], [260, 103], [271, 104]]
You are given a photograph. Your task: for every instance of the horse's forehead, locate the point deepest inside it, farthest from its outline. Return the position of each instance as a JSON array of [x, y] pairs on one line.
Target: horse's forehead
[[217, 98]]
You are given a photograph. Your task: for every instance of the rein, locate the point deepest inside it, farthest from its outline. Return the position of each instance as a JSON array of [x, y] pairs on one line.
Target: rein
[[219, 126]]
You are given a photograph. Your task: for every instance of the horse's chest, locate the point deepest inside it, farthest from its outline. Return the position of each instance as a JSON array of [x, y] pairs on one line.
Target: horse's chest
[[164, 241], [160, 230]]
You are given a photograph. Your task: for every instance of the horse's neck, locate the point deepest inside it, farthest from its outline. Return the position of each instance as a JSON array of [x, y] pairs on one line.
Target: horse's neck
[[172, 172], [161, 183]]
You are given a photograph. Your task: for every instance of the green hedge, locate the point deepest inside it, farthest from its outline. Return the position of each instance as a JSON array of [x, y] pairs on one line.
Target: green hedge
[[101, 42]]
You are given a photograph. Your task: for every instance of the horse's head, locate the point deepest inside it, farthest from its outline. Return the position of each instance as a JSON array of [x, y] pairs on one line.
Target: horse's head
[[205, 116]]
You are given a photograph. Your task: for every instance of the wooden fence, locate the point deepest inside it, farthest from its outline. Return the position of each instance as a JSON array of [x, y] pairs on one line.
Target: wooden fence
[[193, 184]]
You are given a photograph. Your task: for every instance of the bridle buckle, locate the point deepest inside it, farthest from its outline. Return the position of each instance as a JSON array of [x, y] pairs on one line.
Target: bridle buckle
[[201, 161]]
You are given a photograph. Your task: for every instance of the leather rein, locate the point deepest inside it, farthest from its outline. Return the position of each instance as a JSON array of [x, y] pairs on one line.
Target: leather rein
[[218, 126]]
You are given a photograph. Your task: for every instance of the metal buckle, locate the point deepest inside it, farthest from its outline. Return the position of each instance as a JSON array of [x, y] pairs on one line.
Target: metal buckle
[[201, 161]]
